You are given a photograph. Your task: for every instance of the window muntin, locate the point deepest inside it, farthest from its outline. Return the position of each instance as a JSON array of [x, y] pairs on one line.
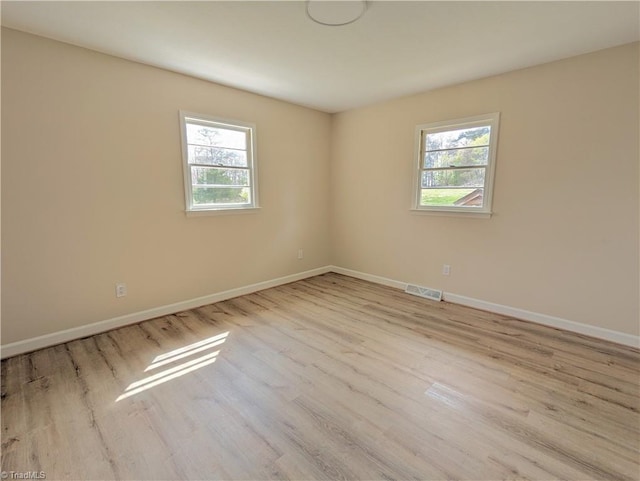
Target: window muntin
[[455, 164], [219, 163]]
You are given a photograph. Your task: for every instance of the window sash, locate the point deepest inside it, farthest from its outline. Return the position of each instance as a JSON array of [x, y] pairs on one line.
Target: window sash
[[449, 185], [422, 131], [461, 167], [194, 159], [205, 205], [245, 191]]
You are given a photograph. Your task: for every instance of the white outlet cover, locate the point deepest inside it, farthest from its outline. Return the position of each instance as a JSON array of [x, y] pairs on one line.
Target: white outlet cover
[[121, 290]]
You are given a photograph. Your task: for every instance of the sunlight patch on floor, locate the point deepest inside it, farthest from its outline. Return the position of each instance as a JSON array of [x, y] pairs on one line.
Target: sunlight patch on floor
[[179, 370]]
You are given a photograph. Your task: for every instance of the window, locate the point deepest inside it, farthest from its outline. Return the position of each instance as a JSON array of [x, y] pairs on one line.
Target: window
[[219, 163], [455, 164]]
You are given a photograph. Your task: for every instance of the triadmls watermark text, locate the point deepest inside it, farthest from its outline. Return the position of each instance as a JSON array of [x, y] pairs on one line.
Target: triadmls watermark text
[[23, 475]]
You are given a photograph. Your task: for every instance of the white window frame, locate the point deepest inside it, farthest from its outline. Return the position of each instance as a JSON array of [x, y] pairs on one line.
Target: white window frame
[[492, 120], [207, 120]]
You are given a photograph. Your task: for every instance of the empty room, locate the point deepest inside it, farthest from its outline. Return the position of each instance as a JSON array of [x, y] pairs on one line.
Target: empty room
[[304, 240]]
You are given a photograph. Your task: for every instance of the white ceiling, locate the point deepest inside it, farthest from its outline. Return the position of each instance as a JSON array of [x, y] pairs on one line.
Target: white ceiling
[[272, 48]]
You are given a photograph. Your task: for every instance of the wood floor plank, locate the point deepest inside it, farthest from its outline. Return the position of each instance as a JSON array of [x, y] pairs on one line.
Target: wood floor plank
[[326, 378]]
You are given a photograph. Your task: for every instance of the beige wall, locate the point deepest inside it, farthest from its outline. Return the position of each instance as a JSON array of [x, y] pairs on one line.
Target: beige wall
[[92, 189], [564, 237]]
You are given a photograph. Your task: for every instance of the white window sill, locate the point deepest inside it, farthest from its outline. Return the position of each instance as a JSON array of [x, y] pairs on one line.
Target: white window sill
[[232, 211], [454, 213]]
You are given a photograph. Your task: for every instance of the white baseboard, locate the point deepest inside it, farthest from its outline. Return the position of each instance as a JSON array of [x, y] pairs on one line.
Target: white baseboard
[[557, 322], [67, 335], [28, 345], [551, 321], [369, 277]]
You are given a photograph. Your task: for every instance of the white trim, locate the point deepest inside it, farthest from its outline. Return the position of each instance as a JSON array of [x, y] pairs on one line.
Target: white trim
[[544, 319], [249, 129], [473, 215], [491, 119], [28, 345], [205, 212], [369, 277]]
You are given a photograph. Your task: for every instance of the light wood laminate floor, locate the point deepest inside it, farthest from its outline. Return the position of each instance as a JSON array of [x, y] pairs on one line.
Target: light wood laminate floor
[[326, 378]]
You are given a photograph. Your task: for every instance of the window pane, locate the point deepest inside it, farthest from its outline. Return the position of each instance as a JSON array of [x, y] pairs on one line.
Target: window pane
[[217, 156], [221, 195], [475, 136], [457, 158], [452, 197], [215, 136], [453, 178], [214, 176]]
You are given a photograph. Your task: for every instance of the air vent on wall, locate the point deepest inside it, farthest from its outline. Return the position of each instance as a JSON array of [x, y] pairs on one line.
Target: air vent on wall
[[433, 294]]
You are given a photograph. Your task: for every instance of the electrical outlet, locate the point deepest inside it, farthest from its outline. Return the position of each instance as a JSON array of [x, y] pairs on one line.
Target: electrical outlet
[[300, 254], [121, 289], [446, 269]]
